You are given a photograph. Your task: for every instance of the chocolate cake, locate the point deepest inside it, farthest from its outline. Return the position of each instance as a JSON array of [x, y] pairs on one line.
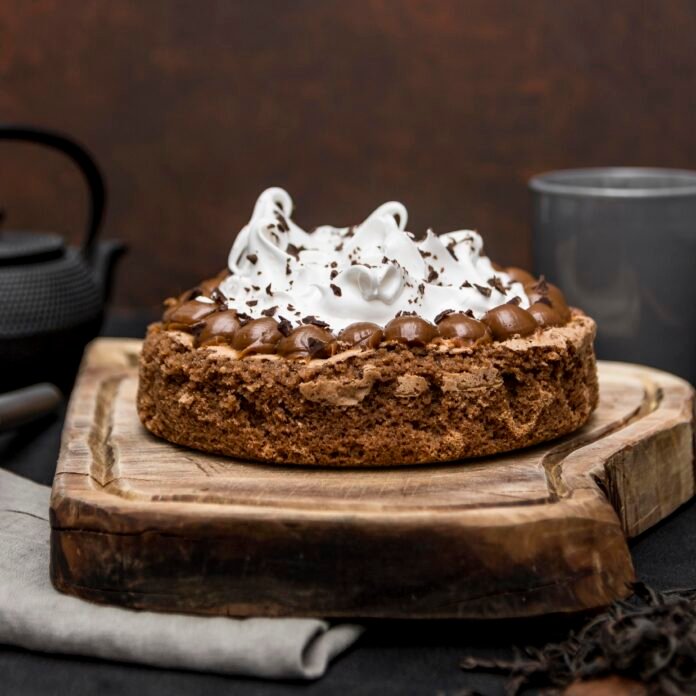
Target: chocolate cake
[[360, 346]]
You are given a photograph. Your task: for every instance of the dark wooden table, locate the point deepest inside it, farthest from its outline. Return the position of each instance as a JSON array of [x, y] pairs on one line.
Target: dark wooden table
[[404, 657]]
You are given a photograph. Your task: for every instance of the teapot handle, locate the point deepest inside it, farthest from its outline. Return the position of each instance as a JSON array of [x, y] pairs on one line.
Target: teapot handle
[[81, 158]]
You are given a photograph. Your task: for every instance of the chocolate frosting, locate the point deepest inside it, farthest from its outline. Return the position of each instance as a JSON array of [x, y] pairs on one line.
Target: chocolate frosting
[[184, 316], [308, 341], [213, 324], [545, 315], [463, 330], [542, 291], [257, 336], [362, 334], [509, 320], [219, 327], [520, 275], [186, 296], [413, 331], [207, 286]]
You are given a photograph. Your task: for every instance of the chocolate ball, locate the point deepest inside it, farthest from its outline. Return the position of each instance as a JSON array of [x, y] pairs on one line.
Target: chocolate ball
[[207, 286], [219, 327], [545, 315], [257, 336], [190, 294], [362, 334], [463, 330], [520, 275], [308, 341], [184, 316], [410, 330], [509, 320], [544, 290]]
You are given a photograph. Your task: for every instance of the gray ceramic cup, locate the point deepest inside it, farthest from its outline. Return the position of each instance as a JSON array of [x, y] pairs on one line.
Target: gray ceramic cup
[[621, 243]]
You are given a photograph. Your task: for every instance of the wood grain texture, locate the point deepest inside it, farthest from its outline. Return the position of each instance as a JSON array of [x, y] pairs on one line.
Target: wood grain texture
[[448, 106], [140, 522]]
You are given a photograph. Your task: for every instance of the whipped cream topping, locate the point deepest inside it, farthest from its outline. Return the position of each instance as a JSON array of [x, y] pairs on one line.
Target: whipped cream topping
[[369, 272]]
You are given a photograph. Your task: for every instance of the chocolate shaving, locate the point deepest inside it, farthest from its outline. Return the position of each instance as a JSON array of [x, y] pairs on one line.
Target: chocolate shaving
[[252, 303], [294, 250], [465, 284], [469, 313], [284, 326], [497, 283], [443, 314], [432, 274], [270, 311], [243, 317], [340, 247], [334, 264], [450, 248], [404, 313], [311, 319], [255, 288], [336, 290], [421, 288], [333, 274], [268, 290], [252, 257], [486, 292], [282, 223], [287, 267]]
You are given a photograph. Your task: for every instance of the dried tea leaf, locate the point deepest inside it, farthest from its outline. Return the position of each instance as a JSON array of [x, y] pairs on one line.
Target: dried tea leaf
[[651, 640]]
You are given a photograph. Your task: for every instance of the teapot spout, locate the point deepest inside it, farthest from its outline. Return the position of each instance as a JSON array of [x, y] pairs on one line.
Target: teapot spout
[[103, 261]]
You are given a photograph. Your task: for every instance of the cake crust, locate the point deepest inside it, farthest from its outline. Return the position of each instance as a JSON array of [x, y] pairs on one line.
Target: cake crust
[[389, 406]]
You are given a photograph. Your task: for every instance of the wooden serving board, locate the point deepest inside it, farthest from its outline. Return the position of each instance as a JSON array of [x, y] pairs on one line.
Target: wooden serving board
[[139, 522]]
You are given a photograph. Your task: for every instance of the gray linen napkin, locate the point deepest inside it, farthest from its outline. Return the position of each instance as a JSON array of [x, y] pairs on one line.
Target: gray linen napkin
[[33, 615]]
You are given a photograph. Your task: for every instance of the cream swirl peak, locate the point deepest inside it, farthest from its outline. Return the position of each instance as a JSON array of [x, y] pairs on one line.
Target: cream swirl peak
[[369, 272]]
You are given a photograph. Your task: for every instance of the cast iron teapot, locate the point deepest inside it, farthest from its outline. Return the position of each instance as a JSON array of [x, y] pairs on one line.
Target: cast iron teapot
[[52, 296]]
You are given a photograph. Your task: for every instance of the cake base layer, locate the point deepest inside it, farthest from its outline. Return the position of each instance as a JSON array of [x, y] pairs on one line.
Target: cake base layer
[[139, 522], [385, 407]]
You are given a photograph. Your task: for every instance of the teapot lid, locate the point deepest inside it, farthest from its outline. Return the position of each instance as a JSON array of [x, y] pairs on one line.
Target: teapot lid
[[29, 247]]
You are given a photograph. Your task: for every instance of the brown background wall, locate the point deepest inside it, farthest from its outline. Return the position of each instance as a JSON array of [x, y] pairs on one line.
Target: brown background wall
[[193, 108]]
